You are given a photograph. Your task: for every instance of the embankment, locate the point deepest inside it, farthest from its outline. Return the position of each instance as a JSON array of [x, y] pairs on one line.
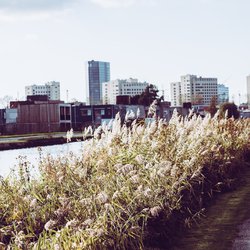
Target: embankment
[[221, 227], [35, 142]]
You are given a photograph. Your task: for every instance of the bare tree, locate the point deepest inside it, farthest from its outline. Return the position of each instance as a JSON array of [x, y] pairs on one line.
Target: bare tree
[[212, 106], [5, 101]]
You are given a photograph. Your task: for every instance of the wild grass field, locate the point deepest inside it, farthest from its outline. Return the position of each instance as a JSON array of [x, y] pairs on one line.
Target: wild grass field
[[131, 187]]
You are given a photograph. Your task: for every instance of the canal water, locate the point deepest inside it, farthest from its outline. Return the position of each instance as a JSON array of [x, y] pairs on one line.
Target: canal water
[[9, 159]]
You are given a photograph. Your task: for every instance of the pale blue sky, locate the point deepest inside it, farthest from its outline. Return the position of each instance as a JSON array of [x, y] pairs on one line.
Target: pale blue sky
[[153, 40]]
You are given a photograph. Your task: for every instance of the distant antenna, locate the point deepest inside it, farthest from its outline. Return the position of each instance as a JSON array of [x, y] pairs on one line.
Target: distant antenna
[[67, 95]]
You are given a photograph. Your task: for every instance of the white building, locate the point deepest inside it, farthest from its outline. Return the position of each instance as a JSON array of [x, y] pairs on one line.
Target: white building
[[197, 90], [248, 91], [130, 87], [51, 89], [176, 94]]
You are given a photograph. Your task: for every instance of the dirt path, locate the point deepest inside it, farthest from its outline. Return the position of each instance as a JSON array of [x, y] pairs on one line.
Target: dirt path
[[243, 239], [227, 223]]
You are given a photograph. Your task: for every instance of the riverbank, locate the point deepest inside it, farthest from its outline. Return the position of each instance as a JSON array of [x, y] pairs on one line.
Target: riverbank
[[35, 140], [224, 225]]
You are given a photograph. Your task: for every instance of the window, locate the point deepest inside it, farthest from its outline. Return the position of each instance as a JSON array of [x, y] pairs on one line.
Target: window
[[85, 112], [64, 113]]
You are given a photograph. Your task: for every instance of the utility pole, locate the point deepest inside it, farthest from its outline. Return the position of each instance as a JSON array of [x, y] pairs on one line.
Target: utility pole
[[67, 95]]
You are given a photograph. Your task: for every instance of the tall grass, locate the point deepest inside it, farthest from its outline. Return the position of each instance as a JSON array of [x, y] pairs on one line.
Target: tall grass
[[129, 188]]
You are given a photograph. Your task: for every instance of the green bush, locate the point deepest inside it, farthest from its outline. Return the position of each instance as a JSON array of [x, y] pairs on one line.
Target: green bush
[[229, 110]]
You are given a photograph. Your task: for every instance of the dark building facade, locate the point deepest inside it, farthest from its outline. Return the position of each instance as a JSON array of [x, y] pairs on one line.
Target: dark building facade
[[83, 116], [91, 115], [55, 116], [2, 121], [123, 100], [97, 73], [43, 117]]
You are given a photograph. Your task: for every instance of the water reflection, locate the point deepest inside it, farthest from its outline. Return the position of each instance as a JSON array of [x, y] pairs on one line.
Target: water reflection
[[9, 159]]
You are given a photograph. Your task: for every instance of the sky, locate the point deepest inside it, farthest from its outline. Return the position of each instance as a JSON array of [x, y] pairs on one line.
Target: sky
[[155, 41]]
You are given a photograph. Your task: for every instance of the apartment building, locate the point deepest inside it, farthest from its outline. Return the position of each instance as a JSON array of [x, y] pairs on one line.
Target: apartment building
[[51, 89], [127, 87], [197, 90], [175, 90]]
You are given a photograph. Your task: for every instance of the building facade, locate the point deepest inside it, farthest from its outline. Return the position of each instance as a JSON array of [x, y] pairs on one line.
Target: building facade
[[95, 115], [223, 93], [2, 121], [197, 90], [128, 87], [51, 89], [91, 115], [43, 117], [8, 120], [175, 89], [97, 73]]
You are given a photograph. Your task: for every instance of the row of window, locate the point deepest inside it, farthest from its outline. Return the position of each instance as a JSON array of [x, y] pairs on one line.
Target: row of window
[[88, 112]]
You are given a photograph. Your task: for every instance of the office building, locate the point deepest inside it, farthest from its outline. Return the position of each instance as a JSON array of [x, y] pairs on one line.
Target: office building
[[97, 73], [51, 89], [197, 90], [127, 87], [223, 93]]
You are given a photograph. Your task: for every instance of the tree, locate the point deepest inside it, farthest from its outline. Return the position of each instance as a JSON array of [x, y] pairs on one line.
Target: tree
[[231, 108], [212, 107], [134, 99], [149, 95], [5, 101]]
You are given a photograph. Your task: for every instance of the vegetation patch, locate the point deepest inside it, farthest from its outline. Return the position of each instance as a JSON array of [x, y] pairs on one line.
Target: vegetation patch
[[131, 187]]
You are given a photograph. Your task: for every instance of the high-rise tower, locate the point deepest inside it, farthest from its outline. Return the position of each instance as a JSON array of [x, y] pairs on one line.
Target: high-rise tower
[[97, 73]]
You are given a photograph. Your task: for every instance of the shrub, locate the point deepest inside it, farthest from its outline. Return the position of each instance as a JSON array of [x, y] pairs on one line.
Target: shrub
[[230, 110]]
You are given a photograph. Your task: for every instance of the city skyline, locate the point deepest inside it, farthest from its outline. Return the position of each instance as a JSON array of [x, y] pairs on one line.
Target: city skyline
[[152, 40]]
